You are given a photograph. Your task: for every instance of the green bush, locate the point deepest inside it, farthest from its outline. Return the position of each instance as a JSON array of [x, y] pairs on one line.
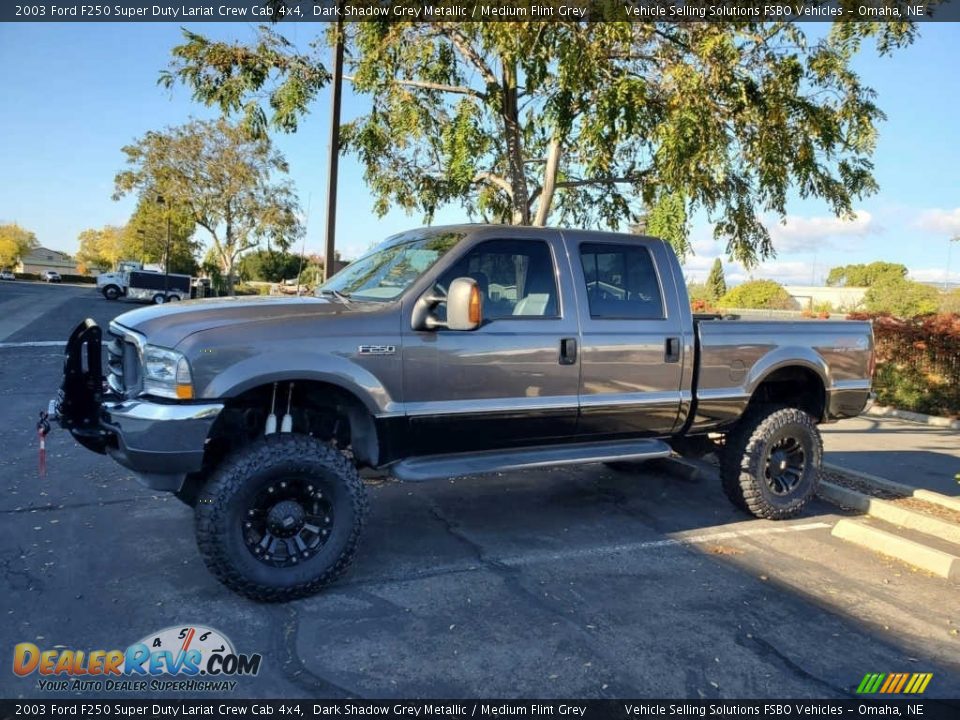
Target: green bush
[[759, 295], [950, 302], [78, 278], [27, 276], [901, 298]]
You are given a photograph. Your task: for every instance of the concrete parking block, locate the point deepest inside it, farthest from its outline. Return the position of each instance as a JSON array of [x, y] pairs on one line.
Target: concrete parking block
[[935, 561], [890, 512], [898, 488]]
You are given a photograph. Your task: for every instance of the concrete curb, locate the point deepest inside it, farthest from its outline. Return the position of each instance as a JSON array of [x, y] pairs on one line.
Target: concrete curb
[[933, 420], [898, 488], [890, 512], [926, 558]]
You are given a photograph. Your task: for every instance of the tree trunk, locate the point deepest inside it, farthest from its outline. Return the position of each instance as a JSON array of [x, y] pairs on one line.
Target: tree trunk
[[549, 183], [512, 133]]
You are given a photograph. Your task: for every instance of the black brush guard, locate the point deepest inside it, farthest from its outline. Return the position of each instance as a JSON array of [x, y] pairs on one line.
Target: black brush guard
[[78, 406]]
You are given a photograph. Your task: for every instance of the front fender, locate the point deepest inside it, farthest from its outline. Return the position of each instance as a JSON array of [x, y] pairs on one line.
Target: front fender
[[258, 370]]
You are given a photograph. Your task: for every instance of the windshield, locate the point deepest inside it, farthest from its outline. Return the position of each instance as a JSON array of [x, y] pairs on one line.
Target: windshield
[[391, 268]]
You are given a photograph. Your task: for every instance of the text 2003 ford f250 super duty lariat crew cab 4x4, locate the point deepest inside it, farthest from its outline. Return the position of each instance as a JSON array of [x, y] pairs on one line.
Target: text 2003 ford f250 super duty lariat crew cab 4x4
[[444, 352]]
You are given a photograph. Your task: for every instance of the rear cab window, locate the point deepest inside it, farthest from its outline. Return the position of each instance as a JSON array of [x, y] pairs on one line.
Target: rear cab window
[[621, 282]]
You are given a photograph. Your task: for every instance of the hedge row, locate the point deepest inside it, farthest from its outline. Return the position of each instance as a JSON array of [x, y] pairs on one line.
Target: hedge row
[[64, 278], [918, 362]]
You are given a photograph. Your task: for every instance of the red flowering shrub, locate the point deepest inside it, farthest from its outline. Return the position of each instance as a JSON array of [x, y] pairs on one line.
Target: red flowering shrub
[[918, 361]]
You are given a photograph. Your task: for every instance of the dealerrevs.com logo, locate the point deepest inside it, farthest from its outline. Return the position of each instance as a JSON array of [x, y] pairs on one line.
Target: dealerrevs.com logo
[[180, 658]]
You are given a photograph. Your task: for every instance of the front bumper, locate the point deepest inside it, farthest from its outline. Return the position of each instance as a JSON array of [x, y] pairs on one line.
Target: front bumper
[[160, 442]]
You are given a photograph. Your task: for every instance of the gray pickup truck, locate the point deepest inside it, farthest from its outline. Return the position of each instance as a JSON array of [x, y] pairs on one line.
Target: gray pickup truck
[[448, 351]]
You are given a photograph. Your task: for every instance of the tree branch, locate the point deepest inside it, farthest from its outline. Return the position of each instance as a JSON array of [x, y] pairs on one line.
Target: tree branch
[[459, 89], [462, 44], [549, 182], [494, 180]]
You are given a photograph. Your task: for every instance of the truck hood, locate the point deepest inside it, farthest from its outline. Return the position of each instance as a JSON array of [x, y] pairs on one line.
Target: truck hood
[[168, 325]]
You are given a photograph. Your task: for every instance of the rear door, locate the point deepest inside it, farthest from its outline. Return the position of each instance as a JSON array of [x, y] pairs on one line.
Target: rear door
[[632, 356], [514, 380]]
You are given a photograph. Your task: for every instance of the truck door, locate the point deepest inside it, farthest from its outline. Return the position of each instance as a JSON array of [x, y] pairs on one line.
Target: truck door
[[632, 357], [514, 380]]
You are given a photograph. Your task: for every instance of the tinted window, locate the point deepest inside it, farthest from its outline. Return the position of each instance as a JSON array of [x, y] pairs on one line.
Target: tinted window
[[516, 277], [621, 282]]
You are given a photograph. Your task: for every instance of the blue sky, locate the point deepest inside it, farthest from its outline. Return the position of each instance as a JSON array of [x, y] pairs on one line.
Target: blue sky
[[73, 94]]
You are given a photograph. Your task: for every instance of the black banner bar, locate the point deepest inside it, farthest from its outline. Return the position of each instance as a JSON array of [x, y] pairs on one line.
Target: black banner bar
[[300, 11], [481, 709]]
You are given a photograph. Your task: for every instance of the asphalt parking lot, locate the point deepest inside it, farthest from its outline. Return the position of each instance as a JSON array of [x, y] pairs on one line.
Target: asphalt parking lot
[[578, 582]]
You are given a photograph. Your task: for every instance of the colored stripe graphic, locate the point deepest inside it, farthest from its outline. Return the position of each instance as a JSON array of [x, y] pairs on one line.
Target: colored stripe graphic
[[894, 683], [903, 681]]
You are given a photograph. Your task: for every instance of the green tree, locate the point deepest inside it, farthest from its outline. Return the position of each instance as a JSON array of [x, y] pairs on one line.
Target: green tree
[[865, 275], [146, 235], [15, 242], [759, 294], [901, 297], [101, 249], [270, 265], [580, 123], [716, 282], [223, 178]]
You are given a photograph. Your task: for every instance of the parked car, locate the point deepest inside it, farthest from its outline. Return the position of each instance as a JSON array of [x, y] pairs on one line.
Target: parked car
[[7, 275], [446, 352], [51, 276]]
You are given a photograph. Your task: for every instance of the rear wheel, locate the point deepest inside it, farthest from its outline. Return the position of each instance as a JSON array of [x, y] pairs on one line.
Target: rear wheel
[[281, 518], [159, 299], [771, 462], [173, 298]]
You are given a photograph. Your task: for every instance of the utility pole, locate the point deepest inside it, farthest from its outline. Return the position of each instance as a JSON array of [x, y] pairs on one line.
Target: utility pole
[[328, 265], [946, 275], [166, 253]]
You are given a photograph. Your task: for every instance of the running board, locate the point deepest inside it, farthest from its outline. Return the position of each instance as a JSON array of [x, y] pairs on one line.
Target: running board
[[435, 467]]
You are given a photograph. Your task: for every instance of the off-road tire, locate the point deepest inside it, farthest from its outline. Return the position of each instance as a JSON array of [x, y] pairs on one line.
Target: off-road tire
[[223, 503], [743, 461], [111, 292]]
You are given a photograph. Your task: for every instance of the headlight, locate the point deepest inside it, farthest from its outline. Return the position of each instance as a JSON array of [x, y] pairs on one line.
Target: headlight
[[166, 373]]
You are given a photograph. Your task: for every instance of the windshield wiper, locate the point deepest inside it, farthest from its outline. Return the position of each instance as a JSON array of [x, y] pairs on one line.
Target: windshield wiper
[[343, 297]]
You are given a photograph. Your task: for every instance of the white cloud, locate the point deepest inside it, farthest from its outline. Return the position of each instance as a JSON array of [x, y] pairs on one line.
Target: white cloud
[[805, 234], [942, 222], [935, 275]]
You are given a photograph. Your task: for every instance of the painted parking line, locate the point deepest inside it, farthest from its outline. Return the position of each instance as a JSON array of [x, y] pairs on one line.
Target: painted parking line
[[37, 343], [533, 558]]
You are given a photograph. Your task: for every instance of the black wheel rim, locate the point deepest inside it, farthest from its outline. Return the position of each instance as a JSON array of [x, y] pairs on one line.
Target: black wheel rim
[[288, 522], [786, 462]]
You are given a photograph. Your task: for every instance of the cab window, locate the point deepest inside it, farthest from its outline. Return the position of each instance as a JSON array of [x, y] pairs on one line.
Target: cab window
[[517, 278], [621, 282]]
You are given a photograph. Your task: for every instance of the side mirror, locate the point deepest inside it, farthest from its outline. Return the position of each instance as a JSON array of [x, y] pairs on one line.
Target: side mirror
[[464, 304]]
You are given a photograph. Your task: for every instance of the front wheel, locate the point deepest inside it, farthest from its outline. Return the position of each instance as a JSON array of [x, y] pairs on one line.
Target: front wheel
[[281, 518], [771, 462], [111, 292]]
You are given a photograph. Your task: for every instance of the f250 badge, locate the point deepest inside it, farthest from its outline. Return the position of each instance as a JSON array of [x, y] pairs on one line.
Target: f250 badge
[[377, 349]]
